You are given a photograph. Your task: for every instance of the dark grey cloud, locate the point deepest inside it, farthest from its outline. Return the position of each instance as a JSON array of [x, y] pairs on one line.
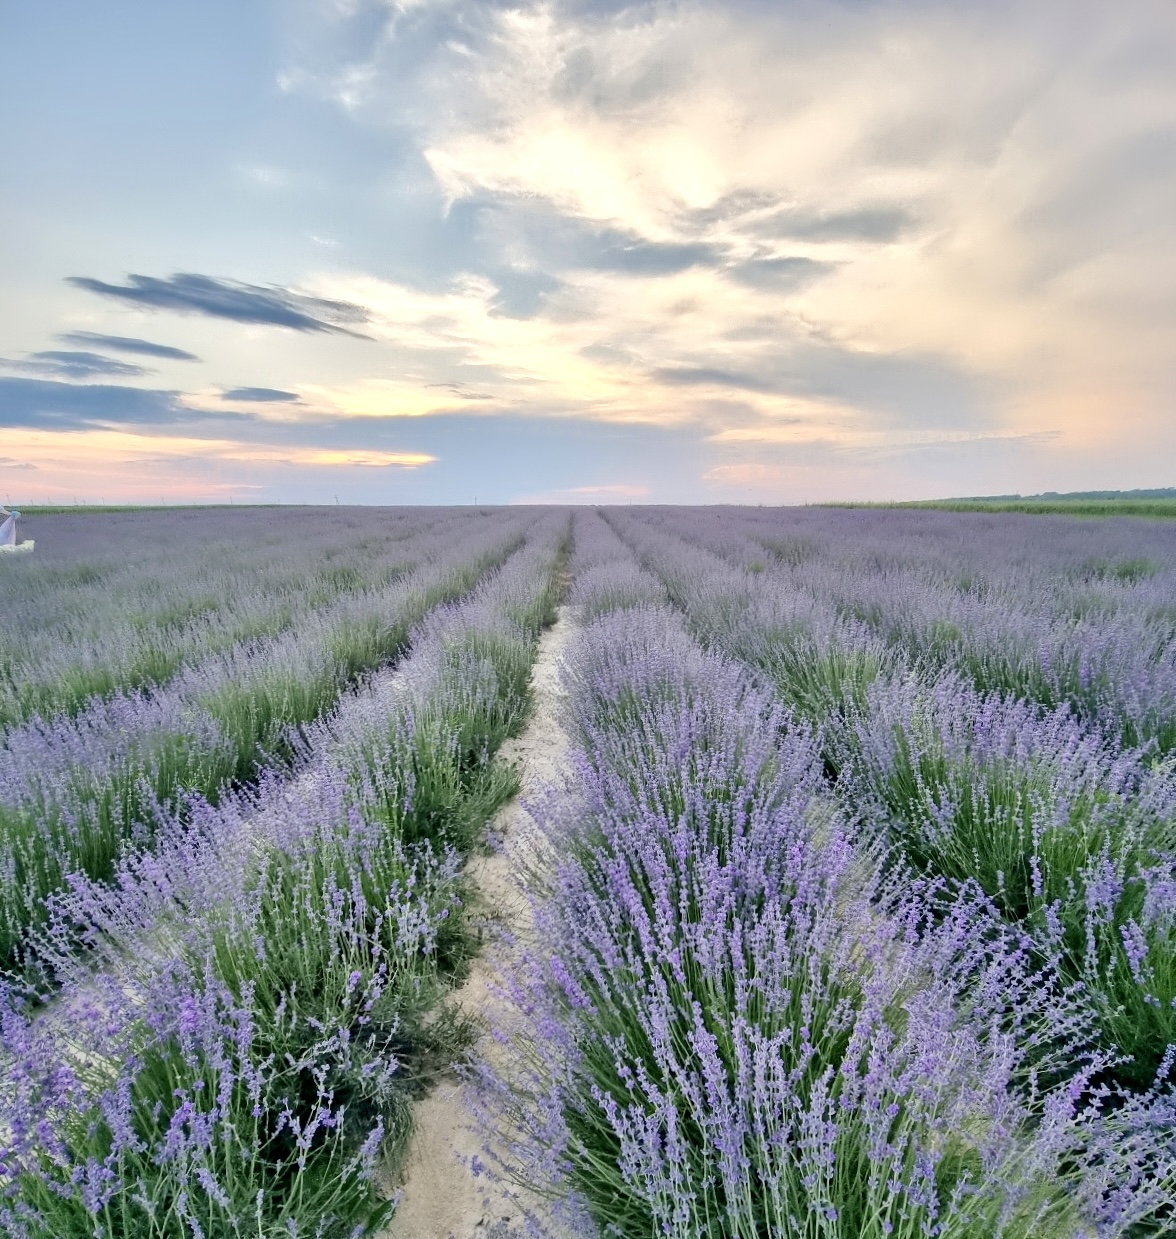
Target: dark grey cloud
[[905, 390], [242, 303], [44, 404], [780, 274], [70, 406], [261, 395], [768, 217], [62, 364], [610, 354], [631, 256], [705, 376], [553, 242], [902, 391], [868, 224], [126, 344]]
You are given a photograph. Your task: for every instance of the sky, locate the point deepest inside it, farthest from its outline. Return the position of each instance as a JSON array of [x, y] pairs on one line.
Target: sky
[[448, 251]]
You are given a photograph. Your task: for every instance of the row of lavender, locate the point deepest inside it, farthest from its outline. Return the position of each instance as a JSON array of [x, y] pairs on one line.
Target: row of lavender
[[851, 944], [124, 600], [1067, 826], [1049, 609], [76, 789], [258, 1006]]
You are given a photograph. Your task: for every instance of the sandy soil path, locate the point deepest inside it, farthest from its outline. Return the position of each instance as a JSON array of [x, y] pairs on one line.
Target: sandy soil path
[[441, 1197]]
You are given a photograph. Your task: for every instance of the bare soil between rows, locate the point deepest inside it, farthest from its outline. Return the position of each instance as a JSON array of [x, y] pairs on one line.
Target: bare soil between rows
[[441, 1196]]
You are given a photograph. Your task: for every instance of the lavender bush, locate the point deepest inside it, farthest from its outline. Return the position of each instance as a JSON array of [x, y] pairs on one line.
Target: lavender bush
[[1014, 927], [604, 577], [74, 791], [736, 1039], [121, 601], [863, 914], [1055, 610], [253, 1067], [1063, 832], [1024, 786], [820, 661]]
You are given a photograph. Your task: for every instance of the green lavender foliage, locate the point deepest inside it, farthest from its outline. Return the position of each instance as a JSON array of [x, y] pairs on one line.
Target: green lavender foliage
[[201, 735], [121, 603], [249, 1087]]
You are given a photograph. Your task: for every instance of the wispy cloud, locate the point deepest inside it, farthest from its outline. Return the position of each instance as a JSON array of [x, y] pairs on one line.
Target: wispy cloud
[[784, 275], [261, 395], [267, 176], [272, 305], [461, 391], [45, 403], [914, 445], [126, 344], [171, 450], [63, 364], [865, 223], [705, 376], [354, 458], [44, 410]]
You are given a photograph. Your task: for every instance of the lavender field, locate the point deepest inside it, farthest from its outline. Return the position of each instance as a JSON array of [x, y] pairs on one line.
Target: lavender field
[[850, 907]]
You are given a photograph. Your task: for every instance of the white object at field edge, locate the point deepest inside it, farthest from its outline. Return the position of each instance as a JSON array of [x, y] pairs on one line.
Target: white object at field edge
[[8, 533]]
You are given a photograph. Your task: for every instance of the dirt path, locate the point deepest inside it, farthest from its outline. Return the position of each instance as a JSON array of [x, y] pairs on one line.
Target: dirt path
[[441, 1197]]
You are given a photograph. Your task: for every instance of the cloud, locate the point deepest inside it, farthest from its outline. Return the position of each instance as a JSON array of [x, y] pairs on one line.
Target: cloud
[[653, 201], [882, 224], [126, 344], [808, 464], [267, 176], [242, 303], [43, 403], [632, 255], [782, 430], [355, 458], [594, 354], [62, 364], [261, 395], [545, 239], [702, 376], [462, 392], [748, 474], [970, 195], [818, 223], [7, 462], [617, 490], [45, 412], [781, 274], [521, 294], [206, 451]]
